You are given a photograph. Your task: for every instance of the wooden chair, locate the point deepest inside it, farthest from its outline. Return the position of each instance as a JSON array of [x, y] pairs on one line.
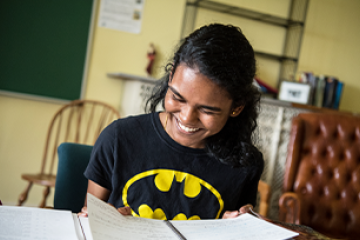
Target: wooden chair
[[79, 121], [322, 175], [264, 192]]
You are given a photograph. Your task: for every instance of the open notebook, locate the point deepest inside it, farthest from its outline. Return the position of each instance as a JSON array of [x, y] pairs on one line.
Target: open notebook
[[20, 223], [105, 222]]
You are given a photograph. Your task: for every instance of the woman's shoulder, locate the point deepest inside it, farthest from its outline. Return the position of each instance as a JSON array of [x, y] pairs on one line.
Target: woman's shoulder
[[128, 124], [258, 158], [133, 120], [256, 161], [129, 128], [139, 125]]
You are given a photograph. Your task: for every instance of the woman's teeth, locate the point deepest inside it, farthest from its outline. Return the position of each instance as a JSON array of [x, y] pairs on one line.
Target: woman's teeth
[[187, 129]]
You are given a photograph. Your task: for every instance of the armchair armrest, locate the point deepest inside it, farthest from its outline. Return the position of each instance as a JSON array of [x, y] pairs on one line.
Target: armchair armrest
[[289, 208]]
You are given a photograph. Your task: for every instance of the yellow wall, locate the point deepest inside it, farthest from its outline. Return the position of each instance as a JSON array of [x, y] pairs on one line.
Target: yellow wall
[[330, 46], [24, 122], [116, 51]]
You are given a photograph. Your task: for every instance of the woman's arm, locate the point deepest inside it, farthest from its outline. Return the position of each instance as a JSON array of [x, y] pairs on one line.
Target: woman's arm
[[102, 194], [96, 190], [234, 214]]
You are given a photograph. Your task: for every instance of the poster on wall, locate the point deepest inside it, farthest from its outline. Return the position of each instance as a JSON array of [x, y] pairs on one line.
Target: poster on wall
[[121, 15]]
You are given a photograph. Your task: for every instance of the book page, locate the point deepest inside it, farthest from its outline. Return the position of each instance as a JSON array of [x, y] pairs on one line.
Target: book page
[[84, 222], [244, 227], [25, 223], [107, 223], [78, 228]]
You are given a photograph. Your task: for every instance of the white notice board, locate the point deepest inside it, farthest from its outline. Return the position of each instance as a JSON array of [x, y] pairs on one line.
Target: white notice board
[[122, 15]]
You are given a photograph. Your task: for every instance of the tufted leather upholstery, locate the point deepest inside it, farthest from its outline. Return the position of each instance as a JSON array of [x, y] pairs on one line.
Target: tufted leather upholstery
[[323, 170]]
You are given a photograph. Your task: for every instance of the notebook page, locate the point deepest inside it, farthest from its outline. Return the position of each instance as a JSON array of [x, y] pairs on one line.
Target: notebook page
[[78, 229], [107, 223], [84, 222], [244, 227], [25, 223]]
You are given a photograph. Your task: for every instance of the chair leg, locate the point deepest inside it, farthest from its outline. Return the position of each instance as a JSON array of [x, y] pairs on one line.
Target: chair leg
[[45, 195], [23, 196]]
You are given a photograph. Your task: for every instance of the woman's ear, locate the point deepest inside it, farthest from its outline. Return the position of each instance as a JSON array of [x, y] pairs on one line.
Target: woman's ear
[[236, 111], [171, 72]]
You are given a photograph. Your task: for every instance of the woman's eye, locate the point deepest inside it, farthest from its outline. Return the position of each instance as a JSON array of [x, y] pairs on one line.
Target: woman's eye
[[177, 98], [208, 113]]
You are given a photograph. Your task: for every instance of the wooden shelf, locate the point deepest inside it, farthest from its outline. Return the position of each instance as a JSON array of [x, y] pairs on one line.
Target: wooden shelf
[[246, 13], [293, 24], [274, 56], [125, 76]]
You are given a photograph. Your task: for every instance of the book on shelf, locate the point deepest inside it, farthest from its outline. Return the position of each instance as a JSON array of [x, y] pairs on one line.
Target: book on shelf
[[338, 94], [312, 80], [329, 92], [326, 91], [319, 92], [105, 222], [265, 88]]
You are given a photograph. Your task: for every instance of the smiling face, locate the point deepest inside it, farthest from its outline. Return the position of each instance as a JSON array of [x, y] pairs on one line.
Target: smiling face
[[197, 108]]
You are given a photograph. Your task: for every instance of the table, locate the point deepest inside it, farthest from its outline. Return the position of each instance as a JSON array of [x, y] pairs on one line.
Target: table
[[305, 233]]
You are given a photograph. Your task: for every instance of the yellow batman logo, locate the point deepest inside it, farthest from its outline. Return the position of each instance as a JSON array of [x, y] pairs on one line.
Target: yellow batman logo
[[163, 180]]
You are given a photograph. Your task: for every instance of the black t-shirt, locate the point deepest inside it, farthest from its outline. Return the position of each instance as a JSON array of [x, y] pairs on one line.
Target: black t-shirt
[[144, 168]]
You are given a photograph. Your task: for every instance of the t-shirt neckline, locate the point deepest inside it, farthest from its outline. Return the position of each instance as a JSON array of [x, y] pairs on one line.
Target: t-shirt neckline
[[168, 140]]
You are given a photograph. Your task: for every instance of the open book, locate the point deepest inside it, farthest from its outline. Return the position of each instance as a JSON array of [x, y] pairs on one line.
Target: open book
[[105, 222]]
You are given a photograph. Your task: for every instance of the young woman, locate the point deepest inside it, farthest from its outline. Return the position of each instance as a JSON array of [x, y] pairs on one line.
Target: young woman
[[196, 159]]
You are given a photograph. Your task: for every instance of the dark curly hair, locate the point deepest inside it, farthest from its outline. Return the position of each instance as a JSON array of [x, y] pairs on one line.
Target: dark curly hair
[[223, 54]]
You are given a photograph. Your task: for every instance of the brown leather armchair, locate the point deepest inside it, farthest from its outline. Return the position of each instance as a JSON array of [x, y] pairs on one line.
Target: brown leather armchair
[[322, 176]]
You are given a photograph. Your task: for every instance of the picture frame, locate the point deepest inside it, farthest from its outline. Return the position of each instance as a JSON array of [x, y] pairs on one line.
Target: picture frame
[[294, 92]]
